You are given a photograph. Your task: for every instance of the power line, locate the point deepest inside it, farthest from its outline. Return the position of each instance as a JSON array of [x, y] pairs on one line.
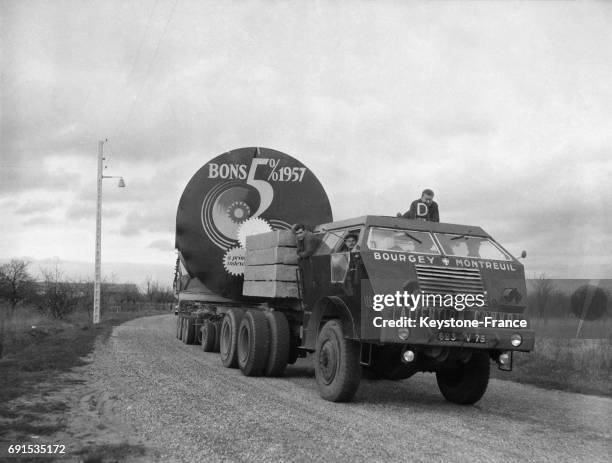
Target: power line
[[151, 62], [142, 38]]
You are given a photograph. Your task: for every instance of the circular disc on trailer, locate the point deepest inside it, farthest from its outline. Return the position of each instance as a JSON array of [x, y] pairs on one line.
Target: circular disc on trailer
[[238, 193]]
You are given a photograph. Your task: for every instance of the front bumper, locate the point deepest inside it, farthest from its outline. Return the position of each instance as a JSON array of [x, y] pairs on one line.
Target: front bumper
[[476, 338]]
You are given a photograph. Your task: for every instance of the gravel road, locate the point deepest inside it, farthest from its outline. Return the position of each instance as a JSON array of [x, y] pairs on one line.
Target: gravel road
[[182, 405]]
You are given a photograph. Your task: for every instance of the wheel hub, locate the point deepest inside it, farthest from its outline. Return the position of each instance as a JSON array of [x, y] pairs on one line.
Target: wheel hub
[[328, 361]]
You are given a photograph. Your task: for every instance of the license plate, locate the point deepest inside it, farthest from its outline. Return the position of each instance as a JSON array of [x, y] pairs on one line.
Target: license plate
[[473, 338]]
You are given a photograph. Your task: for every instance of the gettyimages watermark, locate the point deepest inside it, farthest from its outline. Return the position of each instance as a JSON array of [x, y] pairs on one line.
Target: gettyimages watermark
[[422, 311]]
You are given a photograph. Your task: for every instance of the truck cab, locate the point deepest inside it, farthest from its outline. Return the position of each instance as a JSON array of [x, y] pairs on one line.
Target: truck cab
[[418, 296]]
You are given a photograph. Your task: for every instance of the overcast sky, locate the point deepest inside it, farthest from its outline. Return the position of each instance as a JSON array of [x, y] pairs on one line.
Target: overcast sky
[[503, 108]]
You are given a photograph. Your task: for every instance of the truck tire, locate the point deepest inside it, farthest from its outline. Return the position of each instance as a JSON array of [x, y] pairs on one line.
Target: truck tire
[[337, 367], [182, 329], [279, 344], [253, 343], [209, 335], [198, 330], [179, 327], [229, 335], [189, 334], [466, 383], [217, 346]]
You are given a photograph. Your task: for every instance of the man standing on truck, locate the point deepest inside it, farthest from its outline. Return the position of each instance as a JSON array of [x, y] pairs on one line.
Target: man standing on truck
[[423, 209], [307, 242]]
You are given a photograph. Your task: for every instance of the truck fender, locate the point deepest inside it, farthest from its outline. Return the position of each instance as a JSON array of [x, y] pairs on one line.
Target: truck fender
[[327, 308]]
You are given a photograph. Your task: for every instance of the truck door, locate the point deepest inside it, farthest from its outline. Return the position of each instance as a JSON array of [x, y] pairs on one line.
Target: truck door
[[315, 270]]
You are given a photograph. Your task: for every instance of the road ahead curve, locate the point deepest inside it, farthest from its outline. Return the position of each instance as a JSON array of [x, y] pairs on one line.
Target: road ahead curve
[[183, 405]]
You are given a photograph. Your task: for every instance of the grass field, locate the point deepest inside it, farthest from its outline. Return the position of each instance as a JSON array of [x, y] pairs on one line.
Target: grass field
[[37, 352], [563, 361]]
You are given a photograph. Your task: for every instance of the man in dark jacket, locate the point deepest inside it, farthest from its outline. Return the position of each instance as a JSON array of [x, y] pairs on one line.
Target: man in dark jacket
[[423, 209], [307, 242]]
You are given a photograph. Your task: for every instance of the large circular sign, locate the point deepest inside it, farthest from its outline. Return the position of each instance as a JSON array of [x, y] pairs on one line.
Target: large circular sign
[[239, 193]]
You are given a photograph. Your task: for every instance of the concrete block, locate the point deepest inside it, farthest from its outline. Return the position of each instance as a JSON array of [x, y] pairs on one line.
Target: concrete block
[[274, 272], [271, 289], [269, 256], [276, 238]]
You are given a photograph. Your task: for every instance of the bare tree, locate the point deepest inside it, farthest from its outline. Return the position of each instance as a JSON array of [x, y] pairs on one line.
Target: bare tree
[[543, 289], [15, 287], [58, 297], [154, 292], [15, 282], [149, 284]]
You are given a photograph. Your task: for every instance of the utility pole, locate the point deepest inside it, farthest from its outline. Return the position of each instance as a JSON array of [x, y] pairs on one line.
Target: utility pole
[[98, 277], [96, 307]]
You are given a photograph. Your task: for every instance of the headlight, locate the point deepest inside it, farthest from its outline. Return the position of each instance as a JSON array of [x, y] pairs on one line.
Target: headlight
[[516, 339], [403, 333], [408, 356]]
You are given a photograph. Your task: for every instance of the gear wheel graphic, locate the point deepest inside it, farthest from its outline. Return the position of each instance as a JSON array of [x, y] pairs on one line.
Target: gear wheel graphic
[[252, 226], [233, 261], [238, 211]]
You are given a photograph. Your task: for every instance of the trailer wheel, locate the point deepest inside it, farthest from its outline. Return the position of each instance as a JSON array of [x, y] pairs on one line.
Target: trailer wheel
[[337, 367], [279, 344], [253, 343], [217, 346], [179, 327], [182, 329], [198, 330], [209, 335], [229, 335], [189, 334], [466, 383]]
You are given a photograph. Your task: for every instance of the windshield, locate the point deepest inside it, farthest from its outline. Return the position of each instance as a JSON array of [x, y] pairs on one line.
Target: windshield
[[470, 246], [389, 239]]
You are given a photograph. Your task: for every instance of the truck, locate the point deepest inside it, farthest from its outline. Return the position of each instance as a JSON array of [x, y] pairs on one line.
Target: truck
[[411, 296]]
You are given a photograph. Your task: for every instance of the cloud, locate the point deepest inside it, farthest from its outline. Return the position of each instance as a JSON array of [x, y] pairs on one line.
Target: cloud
[[461, 123], [80, 210], [39, 220], [34, 207], [162, 245], [155, 220], [29, 175]]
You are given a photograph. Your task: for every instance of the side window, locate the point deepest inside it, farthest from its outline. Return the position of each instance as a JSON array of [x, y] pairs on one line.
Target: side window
[[339, 267], [329, 242], [350, 240]]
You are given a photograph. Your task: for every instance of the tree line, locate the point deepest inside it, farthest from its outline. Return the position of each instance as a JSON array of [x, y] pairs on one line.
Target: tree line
[[56, 296]]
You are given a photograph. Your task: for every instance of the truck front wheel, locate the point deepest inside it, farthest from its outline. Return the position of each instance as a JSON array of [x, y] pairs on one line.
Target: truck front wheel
[[465, 383], [229, 335], [337, 367]]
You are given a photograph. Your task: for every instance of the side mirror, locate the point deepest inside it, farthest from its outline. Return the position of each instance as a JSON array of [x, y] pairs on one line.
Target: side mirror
[[523, 254]]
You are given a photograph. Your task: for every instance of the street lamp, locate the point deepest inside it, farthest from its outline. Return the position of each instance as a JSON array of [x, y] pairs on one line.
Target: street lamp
[[121, 184]]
